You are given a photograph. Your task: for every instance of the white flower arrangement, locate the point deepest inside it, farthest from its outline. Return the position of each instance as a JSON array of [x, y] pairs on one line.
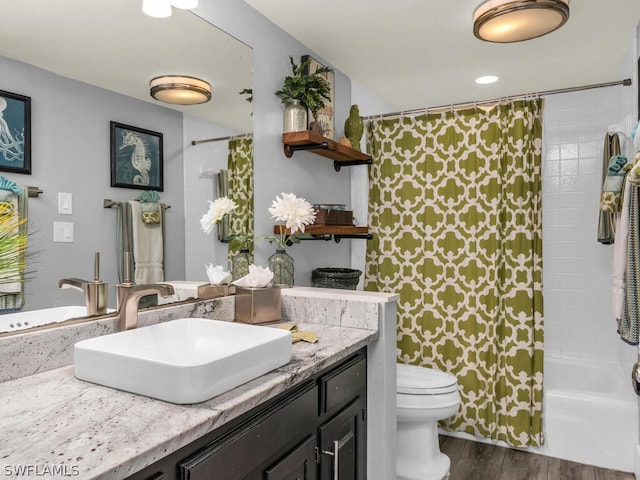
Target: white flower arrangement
[[296, 212], [217, 210]]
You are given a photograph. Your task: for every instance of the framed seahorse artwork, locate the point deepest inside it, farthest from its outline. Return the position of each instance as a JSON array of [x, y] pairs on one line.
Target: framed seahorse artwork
[[15, 133], [136, 158]]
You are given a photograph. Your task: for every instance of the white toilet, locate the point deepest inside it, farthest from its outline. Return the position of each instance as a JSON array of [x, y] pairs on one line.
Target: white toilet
[[423, 396]]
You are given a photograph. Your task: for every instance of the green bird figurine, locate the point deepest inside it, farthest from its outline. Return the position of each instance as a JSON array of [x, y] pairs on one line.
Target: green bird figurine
[[353, 127]]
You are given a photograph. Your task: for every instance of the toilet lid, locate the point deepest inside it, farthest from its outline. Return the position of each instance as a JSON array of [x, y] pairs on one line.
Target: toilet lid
[[415, 380]]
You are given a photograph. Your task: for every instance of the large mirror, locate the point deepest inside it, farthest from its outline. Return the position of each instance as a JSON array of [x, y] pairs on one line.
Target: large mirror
[[84, 65]]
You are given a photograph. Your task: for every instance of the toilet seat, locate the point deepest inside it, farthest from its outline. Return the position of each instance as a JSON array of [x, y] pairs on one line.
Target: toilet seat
[[416, 380]]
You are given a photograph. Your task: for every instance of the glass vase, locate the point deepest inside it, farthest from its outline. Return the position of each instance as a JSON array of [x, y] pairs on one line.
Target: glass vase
[[281, 264], [240, 264], [295, 117]]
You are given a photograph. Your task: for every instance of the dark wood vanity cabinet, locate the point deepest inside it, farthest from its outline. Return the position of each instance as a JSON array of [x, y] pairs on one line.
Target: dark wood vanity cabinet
[[314, 431]]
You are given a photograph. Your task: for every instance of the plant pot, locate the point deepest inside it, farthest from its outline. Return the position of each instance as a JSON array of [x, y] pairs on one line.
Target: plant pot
[[295, 117], [342, 278]]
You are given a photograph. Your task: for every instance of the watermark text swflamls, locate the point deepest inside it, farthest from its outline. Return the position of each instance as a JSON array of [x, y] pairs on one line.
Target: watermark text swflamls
[[35, 470]]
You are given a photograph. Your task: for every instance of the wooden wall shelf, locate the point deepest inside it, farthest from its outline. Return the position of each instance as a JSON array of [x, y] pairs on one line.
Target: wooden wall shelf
[[341, 155], [325, 232]]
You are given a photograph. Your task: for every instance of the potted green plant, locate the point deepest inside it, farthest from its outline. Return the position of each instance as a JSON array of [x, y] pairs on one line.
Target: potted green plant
[[301, 92]]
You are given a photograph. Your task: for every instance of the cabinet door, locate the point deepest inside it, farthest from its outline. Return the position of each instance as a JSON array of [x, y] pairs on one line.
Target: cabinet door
[[300, 464], [342, 444]]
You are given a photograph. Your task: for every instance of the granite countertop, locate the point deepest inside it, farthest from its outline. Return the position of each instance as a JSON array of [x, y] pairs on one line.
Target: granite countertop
[[56, 426]]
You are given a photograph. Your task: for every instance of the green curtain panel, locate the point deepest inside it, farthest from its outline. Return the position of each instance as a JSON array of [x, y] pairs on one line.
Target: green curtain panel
[[456, 214], [240, 168]]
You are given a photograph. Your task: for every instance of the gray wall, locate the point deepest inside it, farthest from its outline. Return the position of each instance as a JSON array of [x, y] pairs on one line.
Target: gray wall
[[201, 162], [70, 145], [305, 174]]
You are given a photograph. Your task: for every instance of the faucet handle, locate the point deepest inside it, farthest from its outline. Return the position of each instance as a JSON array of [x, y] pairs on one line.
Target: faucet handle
[[96, 267], [127, 269]]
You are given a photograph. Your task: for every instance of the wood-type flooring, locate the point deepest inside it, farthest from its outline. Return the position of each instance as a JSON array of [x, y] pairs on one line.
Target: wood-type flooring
[[480, 461]]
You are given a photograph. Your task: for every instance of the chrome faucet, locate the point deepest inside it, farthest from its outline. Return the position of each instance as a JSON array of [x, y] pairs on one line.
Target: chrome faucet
[[128, 296], [95, 292]]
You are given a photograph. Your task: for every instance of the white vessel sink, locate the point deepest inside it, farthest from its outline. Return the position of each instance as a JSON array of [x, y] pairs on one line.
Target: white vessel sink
[[188, 360]]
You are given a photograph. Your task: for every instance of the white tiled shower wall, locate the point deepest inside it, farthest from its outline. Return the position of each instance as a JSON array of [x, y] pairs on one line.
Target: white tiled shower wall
[[578, 269]]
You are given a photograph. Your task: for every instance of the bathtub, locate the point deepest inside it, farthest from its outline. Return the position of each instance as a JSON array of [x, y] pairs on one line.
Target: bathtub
[[11, 322], [590, 413]]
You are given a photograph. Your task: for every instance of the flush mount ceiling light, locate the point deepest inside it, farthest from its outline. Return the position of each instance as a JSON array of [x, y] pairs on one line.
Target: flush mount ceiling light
[[505, 21], [162, 8], [180, 90]]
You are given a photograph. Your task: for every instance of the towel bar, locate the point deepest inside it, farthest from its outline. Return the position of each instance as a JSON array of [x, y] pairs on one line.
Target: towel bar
[[34, 191], [108, 203]]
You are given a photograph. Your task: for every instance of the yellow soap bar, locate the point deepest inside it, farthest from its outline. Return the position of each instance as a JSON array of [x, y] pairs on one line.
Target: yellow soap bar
[[288, 326], [308, 337]]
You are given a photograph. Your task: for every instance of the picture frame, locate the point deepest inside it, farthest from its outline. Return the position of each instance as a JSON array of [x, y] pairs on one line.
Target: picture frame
[[326, 116], [15, 130], [136, 158]]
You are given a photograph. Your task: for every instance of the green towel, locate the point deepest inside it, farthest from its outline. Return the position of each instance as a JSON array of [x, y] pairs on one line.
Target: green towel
[[150, 207], [606, 220]]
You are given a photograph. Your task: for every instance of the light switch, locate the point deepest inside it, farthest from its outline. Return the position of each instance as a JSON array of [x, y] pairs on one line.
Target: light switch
[[62, 232], [65, 203]]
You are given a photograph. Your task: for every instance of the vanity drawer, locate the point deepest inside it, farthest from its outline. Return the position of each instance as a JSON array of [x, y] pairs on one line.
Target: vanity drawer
[[341, 386], [240, 453]]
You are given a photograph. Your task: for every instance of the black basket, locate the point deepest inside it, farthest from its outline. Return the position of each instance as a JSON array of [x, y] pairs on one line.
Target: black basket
[[342, 278]]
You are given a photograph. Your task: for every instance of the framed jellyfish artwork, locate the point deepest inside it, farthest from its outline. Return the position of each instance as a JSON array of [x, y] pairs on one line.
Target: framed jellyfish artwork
[[15, 133], [136, 158]]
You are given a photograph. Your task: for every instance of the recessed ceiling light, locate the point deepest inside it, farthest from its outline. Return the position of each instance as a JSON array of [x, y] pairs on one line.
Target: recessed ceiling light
[[486, 79]]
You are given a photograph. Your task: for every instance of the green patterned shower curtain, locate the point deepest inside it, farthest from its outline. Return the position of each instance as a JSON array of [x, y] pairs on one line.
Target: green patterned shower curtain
[[455, 212], [240, 168]]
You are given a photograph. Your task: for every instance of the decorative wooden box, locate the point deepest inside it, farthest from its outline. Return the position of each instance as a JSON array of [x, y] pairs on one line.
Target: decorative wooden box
[[333, 217]]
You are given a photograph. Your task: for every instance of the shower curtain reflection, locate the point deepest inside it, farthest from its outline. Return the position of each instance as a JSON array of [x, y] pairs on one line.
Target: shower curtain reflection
[[455, 212], [240, 178]]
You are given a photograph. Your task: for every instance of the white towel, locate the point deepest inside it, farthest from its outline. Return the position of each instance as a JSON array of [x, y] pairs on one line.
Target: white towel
[[620, 253], [148, 247]]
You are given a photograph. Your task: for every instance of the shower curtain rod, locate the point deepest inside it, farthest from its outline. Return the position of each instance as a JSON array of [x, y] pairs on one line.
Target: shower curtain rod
[[228, 137], [625, 82]]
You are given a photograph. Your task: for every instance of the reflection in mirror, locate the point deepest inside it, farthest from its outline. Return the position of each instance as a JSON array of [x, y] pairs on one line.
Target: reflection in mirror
[[77, 87], [240, 171], [229, 172]]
